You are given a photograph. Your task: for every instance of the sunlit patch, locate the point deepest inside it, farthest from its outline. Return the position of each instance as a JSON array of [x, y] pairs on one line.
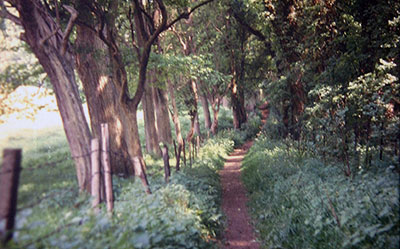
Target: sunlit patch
[[102, 83], [234, 89], [26, 187], [119, 132]]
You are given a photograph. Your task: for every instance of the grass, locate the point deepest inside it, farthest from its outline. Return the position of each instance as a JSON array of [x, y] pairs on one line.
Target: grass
[[46, 163]]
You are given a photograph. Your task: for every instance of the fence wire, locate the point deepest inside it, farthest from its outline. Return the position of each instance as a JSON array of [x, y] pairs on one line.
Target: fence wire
[[64, 192]]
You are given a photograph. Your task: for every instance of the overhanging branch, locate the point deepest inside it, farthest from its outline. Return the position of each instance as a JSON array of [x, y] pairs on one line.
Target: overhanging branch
[[186, 14], [68, 30], [253, 31]]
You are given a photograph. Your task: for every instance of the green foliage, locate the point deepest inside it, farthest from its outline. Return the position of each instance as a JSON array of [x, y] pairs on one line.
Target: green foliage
[[225, 120], [252, 127], [182, 214], [298, 201], [17, 66], [248, 131]]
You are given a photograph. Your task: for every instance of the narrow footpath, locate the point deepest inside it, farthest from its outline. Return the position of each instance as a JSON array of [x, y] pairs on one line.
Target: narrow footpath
[[239, 233]]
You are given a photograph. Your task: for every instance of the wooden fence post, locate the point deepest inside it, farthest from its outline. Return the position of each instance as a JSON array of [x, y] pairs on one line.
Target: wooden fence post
[[139, 169], [105, 160], [165, 156], [95, 160], [9, 179]]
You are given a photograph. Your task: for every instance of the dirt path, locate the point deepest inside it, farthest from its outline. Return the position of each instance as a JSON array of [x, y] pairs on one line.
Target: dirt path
[[239, 233]]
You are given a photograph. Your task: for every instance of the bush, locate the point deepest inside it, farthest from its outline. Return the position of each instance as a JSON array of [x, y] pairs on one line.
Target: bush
[[299, 202], [252, 127]]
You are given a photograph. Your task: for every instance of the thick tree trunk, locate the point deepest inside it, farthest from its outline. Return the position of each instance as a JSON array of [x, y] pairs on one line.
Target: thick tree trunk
[[46, 45], [150, 128], [162, 115], [237, 102], [131, 137], [100, 95]]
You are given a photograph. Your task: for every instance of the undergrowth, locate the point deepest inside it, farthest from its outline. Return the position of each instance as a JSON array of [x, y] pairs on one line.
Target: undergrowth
[[299, 202], [184, 213]]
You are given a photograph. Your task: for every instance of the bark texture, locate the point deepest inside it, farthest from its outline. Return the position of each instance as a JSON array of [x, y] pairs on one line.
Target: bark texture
[[162, 115], [100, 92], [45, 38], [150, 122], [206, 111]]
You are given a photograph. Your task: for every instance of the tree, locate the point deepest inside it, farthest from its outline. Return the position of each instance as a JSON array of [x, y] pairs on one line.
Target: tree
[[51, 46]]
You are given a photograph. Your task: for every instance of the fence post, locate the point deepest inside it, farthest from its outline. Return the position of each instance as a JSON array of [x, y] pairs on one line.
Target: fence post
[[9, 178], [165, 156], [105, 160], [139, 169], [95, 160]]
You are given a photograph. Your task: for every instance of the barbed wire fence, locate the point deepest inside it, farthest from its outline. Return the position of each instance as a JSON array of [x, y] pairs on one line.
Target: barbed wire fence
[[100, 181]]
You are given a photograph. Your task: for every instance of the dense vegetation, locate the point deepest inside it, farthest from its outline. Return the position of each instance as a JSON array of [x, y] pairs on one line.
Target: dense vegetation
[[299, 201], [323, 172], [184, 213]]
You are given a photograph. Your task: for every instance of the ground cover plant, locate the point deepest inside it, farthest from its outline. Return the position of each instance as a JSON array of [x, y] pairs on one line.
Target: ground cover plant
[[182, 214], [300, 202]]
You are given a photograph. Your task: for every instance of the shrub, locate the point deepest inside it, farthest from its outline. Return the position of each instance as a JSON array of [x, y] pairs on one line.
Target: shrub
[[299, 202]]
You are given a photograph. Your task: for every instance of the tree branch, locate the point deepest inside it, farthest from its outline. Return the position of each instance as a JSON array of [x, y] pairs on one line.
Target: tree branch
[[68, 30], [179, 38], [187, 14], [7, 15], [133, 32], [144, 59], [44, 39], [253, 31]]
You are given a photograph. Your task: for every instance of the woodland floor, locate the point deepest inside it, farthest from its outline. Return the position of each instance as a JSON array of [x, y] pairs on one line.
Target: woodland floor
[[239, 233]]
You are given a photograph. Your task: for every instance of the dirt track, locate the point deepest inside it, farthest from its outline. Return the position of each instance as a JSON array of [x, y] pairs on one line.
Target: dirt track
[[239, 233]]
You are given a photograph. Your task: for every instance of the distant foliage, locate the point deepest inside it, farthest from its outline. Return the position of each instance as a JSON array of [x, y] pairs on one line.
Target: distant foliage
[[26, 102], [334, 78]]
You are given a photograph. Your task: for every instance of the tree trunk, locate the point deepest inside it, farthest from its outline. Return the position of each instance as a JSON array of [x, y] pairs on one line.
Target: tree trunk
[[195, 108], [214, 126], [150, 122], [100, 94], [39, 27], [162, 115], [237, 102], [175, 119], [206, 111]]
